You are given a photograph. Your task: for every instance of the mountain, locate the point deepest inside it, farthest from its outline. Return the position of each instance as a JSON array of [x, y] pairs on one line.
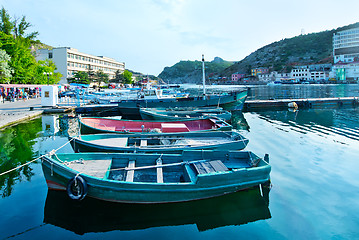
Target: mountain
[[191, 71], [279, 56]]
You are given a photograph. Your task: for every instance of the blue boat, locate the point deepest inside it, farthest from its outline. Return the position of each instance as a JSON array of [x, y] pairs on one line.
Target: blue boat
[[154, 178], [176, 114], [230, 101], [158, 143]]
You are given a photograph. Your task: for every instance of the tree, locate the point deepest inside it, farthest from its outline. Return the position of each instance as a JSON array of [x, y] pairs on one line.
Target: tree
[[100, 77], [128, 77], [80, 77], [118, 77], [5, 69], [46, 66]]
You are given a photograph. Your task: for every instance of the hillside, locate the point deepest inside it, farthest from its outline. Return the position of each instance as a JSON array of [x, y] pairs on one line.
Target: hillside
[[278, 56], [191, 71]]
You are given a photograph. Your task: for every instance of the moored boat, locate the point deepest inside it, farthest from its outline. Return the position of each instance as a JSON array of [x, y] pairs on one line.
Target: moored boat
[[154, 178], [101, 124], [158, 143], [184, 113], [227, 100]]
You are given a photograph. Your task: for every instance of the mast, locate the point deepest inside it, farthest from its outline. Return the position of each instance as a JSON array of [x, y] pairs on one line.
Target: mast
[[203, 78]]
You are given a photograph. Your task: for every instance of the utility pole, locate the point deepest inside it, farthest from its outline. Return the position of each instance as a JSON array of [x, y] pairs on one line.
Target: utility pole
[[203, 78]]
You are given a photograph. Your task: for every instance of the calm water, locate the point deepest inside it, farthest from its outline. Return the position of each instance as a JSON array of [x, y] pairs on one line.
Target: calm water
[[314, 157]]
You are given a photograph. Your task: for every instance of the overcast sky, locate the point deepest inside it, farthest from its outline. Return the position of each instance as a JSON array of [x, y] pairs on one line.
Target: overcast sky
[[149, 35]]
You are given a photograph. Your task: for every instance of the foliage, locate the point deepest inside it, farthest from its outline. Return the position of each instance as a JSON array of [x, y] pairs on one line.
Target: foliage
[[5, 70], [118, 77], [17, 42], [46, 66], [101, 77], [127, 75], [184, 68], [80, 77]]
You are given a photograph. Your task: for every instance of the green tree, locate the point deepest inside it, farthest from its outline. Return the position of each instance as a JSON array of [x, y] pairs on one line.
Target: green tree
[[5, 69], [80, 77], [128, 77], [118, 77], [46, 66], [101, 77]]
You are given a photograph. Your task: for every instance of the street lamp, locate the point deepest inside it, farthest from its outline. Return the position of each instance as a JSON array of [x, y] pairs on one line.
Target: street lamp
[[48, 74]]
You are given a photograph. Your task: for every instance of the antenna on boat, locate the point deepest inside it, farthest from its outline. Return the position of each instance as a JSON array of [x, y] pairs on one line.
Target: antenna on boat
[[203, 78]]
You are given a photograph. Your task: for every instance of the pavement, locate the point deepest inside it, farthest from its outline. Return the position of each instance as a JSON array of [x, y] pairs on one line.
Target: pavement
[[18, 111]]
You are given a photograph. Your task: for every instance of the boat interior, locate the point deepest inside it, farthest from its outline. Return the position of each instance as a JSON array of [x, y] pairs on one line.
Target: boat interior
[[157, 168], [145, 126]]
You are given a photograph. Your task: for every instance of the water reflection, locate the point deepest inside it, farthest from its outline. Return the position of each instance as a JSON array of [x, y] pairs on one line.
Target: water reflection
[[343, 122], [16, 145], [93, 215]]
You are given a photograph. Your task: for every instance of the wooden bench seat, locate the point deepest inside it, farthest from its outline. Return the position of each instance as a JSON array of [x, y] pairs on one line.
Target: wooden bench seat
[[130, 173], [210, 167]]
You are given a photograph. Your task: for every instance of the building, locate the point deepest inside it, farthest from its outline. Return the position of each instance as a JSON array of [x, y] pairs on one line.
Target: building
[[346, 55], [237, 76], [301, 73], [274, 77], [261, 70], [69, 61]]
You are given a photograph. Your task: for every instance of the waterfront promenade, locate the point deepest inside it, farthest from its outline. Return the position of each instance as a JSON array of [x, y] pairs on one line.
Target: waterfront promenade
[[14, 112]]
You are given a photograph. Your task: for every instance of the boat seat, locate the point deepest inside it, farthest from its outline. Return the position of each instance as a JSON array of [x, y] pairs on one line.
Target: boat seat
[[159, 170], [174, 127], [210, 167], [143, 143], [96, 168], [130, 173]]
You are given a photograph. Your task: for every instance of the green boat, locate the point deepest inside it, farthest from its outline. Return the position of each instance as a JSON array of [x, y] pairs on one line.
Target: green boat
[[158, 143], [154, 178], [184, 113], [90, 125]]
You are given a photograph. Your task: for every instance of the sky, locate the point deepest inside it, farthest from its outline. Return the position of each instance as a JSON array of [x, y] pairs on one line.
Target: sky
[[149, 35]]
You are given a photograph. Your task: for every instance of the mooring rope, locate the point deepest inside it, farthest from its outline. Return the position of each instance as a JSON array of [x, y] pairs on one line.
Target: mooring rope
[[52, 152]]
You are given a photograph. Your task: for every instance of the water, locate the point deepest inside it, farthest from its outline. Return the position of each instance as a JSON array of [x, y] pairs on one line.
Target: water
[[314, 158]]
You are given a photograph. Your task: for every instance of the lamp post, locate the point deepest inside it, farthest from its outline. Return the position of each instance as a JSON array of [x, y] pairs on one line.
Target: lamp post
[[48, 74]]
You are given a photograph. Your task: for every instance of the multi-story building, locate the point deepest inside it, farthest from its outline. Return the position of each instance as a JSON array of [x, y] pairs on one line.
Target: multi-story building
[[69, 61], [346, 55], [261, 70], [301, 73], [237, 76]]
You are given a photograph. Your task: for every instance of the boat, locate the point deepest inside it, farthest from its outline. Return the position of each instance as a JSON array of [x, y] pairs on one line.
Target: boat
[[230, 101], [101, 124], [229, 210], [184, 113], [154, 178], [158, 143]]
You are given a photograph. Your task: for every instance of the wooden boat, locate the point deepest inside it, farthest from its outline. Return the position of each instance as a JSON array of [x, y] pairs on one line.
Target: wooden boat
[[184, 113], [228, 210], [158, 143], [154, 178], [101, 124], [228, 101]]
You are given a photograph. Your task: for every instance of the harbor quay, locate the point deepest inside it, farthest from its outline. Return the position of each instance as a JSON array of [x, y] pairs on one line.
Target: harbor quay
[[18, 111]]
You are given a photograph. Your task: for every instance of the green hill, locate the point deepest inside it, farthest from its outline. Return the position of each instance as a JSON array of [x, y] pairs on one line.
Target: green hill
[[278, 56], [191, 71]]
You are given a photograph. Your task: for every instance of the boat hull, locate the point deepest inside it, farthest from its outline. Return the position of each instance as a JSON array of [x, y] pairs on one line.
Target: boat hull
[[212, 141], [231, 101], [204, 186]]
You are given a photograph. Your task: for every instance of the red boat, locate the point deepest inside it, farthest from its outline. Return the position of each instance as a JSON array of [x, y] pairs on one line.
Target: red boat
[[101, 125]]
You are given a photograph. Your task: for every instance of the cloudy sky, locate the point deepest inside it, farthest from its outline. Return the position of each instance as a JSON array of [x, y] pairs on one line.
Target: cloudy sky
[[149, 35]]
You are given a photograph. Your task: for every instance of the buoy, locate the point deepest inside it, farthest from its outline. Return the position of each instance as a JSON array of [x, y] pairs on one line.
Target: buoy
[[293, 105], [77, 188]]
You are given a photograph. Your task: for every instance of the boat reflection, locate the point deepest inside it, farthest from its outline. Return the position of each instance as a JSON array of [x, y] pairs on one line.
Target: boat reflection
[[91, 215], [238, 121]]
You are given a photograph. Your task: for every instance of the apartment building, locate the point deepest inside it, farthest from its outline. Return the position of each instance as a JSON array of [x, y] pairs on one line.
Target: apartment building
[[346, 55], [69, 61], [237, 76]]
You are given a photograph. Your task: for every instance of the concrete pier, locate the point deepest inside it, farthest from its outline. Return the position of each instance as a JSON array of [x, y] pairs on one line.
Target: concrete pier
[[303, 103], [18, 111]]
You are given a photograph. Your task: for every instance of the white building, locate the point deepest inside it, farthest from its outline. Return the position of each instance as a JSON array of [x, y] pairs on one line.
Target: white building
[[301, 73], [346, 55], [69, 61]]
